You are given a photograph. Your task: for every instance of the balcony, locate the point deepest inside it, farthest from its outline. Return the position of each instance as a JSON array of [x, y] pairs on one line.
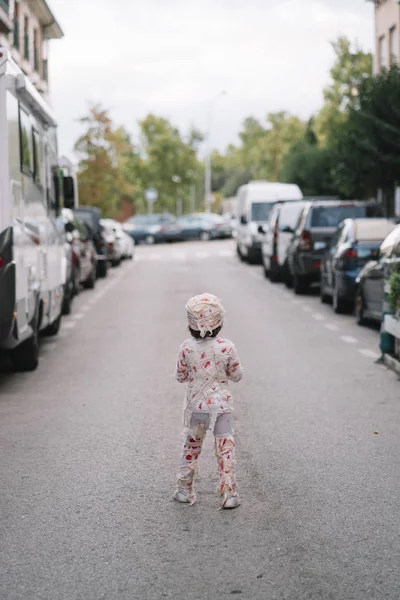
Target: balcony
[[5, 20]]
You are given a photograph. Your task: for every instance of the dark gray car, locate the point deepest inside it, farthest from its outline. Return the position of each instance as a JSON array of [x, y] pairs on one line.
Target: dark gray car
[[317, 223]]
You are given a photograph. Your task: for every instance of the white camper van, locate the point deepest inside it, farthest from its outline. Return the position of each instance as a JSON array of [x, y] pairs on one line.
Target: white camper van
[[32, 253], [254, 202]]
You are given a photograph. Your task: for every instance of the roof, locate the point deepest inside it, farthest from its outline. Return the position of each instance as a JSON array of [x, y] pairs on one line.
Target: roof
[[372, 229], [42, 10]]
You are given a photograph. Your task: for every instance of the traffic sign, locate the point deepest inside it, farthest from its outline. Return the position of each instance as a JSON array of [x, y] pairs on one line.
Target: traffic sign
[[151, 195]]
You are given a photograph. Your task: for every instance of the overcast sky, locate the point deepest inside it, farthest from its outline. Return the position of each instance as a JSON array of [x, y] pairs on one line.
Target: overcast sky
[[173, 57]]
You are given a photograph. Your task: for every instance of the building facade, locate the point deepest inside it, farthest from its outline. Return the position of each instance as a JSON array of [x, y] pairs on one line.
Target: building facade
[[26, 26], [387, 28]]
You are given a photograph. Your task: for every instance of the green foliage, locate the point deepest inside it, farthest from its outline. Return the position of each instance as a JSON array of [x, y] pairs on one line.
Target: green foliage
[[351, 68], [394, 295], [310, 167]]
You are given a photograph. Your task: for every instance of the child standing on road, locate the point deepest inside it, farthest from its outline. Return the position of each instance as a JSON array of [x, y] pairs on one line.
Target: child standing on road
[[206, 362]]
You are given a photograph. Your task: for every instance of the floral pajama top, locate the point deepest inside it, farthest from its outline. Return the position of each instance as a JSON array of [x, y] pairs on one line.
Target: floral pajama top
[[207, 365]]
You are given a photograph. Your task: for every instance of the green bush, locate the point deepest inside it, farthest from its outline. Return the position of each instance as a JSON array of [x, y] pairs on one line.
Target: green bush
[[394, 295]]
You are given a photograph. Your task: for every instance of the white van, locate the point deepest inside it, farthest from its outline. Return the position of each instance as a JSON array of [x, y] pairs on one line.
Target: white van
[[254, 202], [33, 261]]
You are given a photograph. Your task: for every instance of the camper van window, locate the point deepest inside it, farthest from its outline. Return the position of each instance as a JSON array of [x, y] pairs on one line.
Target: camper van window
[[25, 142], [260, 211], [37, 174]]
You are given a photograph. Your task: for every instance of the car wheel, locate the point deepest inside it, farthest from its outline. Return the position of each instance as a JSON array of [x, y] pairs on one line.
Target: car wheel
[[26, 356], [91, 280], [339, 305], [300, 285], [325, 298], [68, 297], [102, 268], [205, 236], [116, 263], [274, 276], [150, 240], [77, 280], [52, 329], [359, 307], [287, 276]]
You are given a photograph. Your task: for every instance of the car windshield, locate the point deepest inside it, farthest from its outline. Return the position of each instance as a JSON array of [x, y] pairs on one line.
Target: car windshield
[[87, 217], [332, 216], [260, 211]]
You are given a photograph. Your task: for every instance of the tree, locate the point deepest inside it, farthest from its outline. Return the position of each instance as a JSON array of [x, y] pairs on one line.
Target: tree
[[103, 154], [351, 67], [368, 145], [169, 163]]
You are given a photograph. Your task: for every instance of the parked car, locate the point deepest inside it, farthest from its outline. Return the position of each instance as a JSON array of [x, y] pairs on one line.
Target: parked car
[[254, 202], [91, 216], [84, 264], [113, 244], [317, 224], [153, 229], [201, 226], [371, 280], [279, 232], [124, 243], [219, 226], [354, 243]]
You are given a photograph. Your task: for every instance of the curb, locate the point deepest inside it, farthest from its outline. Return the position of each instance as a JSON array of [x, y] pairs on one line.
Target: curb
[[392, 363]]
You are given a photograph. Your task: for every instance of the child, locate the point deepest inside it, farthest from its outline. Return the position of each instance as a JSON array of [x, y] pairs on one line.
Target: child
[[206, 362]]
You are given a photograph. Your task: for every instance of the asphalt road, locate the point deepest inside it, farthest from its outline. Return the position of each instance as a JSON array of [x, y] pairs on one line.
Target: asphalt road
[[89, 446]]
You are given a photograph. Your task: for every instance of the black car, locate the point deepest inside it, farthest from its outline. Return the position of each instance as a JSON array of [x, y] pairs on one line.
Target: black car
[[91, 216], [355, 242], [317, 223], [371, 281], [153, 229]]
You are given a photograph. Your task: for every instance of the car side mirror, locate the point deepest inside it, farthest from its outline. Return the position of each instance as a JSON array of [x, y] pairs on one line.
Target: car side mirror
[[243, 220], [261, 229], [286, 229], [69, 192]]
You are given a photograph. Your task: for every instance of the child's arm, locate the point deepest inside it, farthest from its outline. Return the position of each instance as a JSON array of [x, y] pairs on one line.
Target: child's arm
[[234, 369], [182, 371]]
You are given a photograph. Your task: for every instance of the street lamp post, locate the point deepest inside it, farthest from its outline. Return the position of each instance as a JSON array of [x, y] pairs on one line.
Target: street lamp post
[[176, 179], [207, 160]]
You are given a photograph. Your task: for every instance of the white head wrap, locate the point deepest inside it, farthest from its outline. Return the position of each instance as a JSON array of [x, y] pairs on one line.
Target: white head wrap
[[205, 313]]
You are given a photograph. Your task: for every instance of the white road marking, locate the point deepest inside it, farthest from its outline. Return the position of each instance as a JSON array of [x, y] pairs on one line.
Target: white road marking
[[78, 316], [254, 274], [318, 317], [349, 339], [70, 325], [369, 353], [202, 254], [154, 256], [49, 347], [179, 255], [226, 253], [306, 308], [331, 327]]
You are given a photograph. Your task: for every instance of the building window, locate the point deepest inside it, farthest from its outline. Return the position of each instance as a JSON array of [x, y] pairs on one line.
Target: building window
[[5, 5], [36, 50], [25, 141], [393, 45], [16, 26], [45, 68], [26, 38]]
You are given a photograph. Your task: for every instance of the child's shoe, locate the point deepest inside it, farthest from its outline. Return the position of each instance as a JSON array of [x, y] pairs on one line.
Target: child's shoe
[[182, 496], [230, 501]]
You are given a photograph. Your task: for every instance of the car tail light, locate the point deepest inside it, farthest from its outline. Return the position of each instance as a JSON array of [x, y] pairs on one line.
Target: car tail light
[[306, 241], [110, 245], [274, 258], [351, 253], [1, 262], [316, 264]]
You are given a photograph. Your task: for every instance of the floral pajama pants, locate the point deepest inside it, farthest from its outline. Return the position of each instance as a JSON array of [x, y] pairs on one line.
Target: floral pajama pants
[[224, 451]]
